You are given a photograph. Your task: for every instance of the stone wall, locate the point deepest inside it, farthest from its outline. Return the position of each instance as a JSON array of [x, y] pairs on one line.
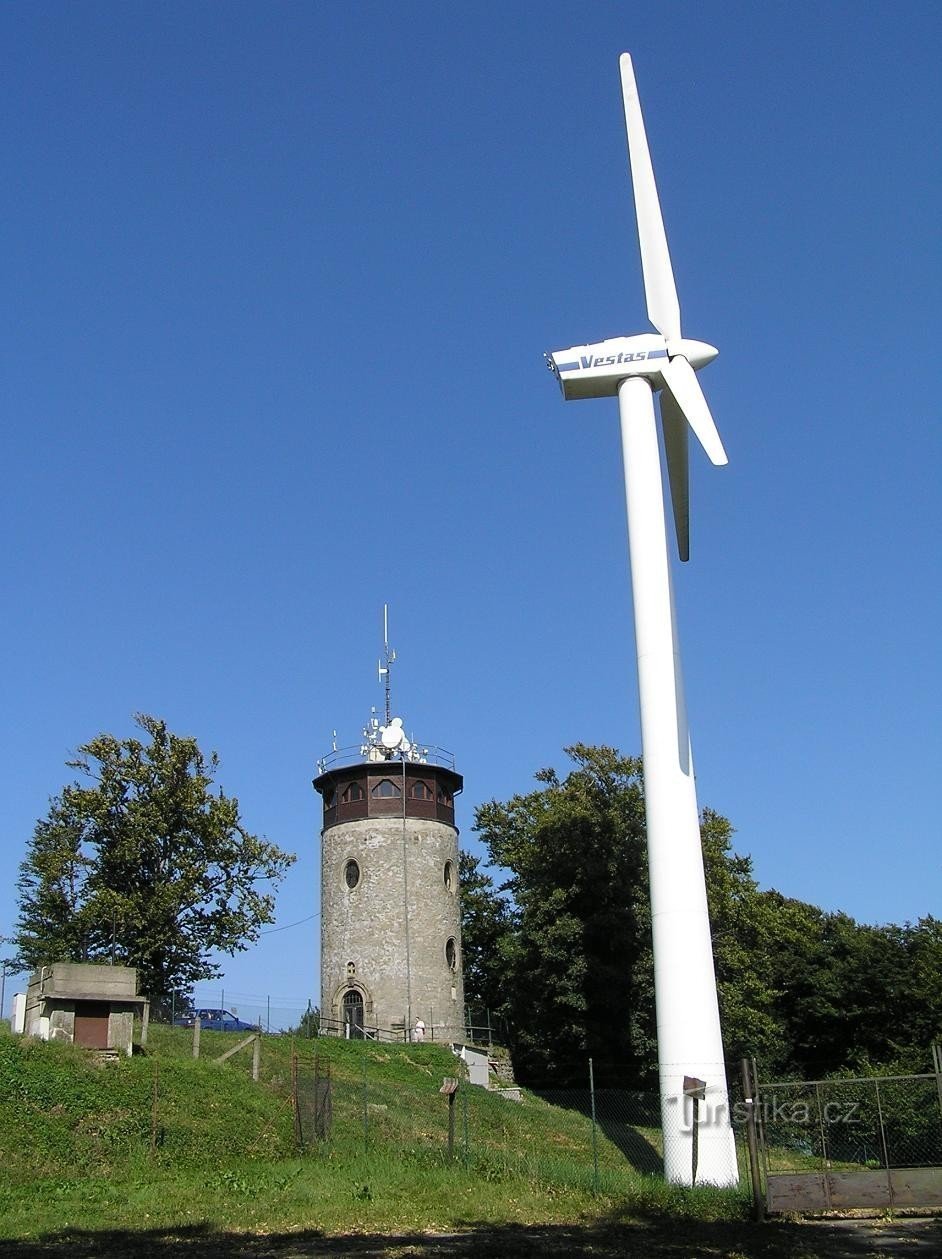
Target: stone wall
[[387, 937]]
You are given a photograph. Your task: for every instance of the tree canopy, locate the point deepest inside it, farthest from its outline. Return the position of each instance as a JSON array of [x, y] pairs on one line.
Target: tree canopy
[[141, 862], [567, 958]]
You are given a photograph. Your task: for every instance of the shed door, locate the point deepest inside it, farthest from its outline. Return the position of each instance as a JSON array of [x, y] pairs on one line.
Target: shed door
[[91, 1024]]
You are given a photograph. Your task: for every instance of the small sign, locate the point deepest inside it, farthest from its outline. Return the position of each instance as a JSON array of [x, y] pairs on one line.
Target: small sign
[[449, 1085], [694, 1087]]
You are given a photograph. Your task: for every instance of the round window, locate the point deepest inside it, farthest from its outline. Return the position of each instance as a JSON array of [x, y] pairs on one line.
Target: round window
[[451, 953], [351, 874], [449, 875]]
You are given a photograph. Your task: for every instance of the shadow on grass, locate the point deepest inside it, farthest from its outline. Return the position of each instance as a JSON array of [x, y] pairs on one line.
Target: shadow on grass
[[608, 1239], [621, 1117]]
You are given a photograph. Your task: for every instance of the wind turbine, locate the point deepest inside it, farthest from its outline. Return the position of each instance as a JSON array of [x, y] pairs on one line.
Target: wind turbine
[[698, 1142]]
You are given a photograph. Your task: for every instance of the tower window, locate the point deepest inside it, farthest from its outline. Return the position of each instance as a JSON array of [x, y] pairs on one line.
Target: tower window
[[352, 791], [420, 791], [351, 874], [329, 795], [449, 876], [386, 789], [444, 797], [451, 953]]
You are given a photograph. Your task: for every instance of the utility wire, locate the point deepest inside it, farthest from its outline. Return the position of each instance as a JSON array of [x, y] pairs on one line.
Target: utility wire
[[288, 925]]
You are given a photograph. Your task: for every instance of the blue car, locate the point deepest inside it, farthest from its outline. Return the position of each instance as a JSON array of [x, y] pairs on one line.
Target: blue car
[[215, 1021]]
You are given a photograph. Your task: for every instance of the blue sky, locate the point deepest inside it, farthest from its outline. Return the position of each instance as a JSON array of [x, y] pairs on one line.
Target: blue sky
[[278, 282]]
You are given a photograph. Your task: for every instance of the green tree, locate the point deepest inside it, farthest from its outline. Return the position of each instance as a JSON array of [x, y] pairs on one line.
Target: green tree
[[486, 932], [309, 1024], [141, 861], [577, 968], [574, 968], [745, 937]]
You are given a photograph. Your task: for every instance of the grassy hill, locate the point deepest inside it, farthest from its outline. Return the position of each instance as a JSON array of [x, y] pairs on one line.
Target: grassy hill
[[161, 1141]]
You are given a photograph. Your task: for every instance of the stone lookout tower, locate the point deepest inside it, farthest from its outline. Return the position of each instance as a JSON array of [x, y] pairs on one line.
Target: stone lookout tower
[[390, 930]]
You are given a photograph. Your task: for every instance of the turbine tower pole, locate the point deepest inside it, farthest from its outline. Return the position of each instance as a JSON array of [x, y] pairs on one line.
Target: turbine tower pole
[[689, 1040]]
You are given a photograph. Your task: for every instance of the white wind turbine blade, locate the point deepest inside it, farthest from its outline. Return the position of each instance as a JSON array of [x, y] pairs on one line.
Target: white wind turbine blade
[[675, 428], [659, 288], [681, 381]]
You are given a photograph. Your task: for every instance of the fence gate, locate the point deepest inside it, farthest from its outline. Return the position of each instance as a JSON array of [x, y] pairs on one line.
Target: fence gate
[[874, 1141]]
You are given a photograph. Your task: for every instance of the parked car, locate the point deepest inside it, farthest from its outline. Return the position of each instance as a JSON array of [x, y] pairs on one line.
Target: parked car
[[215, 1021]]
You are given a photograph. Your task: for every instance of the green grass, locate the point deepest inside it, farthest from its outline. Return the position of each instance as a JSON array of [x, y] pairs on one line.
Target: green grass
[[83, 1147]]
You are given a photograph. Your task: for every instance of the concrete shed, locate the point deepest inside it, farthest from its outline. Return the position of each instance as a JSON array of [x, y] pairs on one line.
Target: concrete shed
[[93, 1006]]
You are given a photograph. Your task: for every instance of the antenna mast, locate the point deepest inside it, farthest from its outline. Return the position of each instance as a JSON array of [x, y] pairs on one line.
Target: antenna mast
[[389, 657]]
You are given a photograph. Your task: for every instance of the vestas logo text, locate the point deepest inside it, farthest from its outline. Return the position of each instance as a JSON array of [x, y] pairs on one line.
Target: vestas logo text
[[610, 360]]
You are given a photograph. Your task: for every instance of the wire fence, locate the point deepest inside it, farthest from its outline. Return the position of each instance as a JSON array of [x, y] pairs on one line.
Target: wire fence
[[372, 1097], [327, 1096], [852, 1124], [298, 1016]]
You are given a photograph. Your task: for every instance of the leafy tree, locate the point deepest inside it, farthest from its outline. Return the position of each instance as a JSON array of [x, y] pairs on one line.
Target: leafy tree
[[576, 967], [142, 863], [486, 927], [309, 1024], [849, 995], [746, 940], [569, 961]]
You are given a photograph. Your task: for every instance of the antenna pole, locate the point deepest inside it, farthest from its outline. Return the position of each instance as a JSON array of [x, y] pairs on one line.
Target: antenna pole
[[389, 657]]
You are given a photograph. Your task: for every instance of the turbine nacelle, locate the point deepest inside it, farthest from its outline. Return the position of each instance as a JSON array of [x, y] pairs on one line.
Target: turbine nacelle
[[596, 371], [665, 359]]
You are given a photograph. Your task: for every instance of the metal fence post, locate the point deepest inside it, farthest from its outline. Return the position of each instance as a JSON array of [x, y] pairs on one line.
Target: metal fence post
[[752, 1140], [366, 1112], [595, 1148], [883, 1146], [464, 1122], [937, 1068], [153, 1112], [196, 1038], [296, 1102]]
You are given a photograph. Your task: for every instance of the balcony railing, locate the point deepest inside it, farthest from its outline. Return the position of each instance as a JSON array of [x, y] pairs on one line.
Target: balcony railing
[[368, 753]]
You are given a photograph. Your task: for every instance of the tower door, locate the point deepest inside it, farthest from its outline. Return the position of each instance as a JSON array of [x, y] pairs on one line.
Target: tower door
[[353, 1015]]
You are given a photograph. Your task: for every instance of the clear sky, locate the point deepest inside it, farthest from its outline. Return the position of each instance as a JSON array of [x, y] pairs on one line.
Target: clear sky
[[278, 280]]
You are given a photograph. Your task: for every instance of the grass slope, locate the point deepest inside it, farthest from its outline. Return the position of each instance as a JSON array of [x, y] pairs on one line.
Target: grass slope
[[89, 1149]]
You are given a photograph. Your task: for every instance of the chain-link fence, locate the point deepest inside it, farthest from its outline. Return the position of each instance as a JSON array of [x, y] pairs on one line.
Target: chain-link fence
[[870, 1141], [360, 1096], [849, 1124], [224, 1008], [220, 1097]]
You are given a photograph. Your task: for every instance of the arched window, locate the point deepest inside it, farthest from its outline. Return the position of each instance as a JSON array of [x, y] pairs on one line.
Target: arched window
[[444, 797], [451, 953], [352, 791], [329, 794], [351, 874], [449, 876], [420, 790], [386, 789]]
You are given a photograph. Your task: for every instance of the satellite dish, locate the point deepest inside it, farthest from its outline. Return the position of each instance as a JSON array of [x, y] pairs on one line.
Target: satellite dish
[[392, 735]]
